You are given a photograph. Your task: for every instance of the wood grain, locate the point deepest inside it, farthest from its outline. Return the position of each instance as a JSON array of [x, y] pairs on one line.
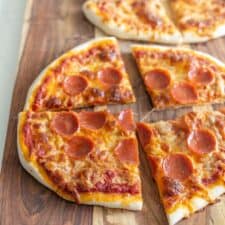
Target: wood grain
[[50, 28]]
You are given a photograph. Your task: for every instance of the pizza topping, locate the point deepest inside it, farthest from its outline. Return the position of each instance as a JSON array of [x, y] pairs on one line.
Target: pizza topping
[[79, 147], [53, 103], [74, 85], [147, 16], [171, 187], [201, 76], [177, 166], [157, 79], [28, 136], [92, 120], [126, 120], [154, 163], [110, 76], [144, 134], [201, 141], [65, 123], [184, 93], [127, 151]]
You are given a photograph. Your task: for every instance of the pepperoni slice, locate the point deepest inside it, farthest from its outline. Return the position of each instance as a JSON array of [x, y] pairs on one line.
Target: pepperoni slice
[[79, 147], [64, 123], [184, 93], [74, 85], [201, 141], [154, 163], [177, 166], [201, 76], [126, 120], [144, 134], [127, 151], [157, 79], [110, 76], [92, 120]]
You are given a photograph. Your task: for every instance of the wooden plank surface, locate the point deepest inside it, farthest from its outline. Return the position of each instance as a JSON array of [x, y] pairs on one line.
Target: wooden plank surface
[[50, 28]]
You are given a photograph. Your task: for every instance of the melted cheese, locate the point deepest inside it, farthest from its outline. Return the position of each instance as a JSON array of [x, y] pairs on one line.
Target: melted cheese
[[206, 183], [196, 19], [133, 19], [178, 62], [75, 62], [55, 169]]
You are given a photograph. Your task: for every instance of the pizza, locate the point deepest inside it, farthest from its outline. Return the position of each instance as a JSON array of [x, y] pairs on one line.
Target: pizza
[[170, 22], [187, 160], [133, 19], [179, 76], [85, 157], [199, 20], [88, 75]]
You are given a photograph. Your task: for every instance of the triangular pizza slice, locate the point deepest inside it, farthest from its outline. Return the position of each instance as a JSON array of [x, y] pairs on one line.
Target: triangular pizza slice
[[90, 74], [180, 76], [187, 160], [145, 20], [86, 157], [199, 20]]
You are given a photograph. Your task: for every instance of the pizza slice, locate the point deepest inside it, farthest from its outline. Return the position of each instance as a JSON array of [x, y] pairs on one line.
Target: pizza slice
[[145, 20], [180, 76], [199, 20], [90, 74], [86, 157], [187, 161]]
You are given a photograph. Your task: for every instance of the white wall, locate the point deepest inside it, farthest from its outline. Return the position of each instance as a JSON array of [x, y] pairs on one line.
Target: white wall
[[11, 19]]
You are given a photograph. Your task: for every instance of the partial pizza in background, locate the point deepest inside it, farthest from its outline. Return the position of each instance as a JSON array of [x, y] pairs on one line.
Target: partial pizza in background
[[88, 75], [161, 21], [199, 20], [187, 160], [133, 20], [86, 157], [180, 76]]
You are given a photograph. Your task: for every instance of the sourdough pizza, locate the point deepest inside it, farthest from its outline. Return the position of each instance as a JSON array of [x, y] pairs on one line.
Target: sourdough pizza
[[90, 74], [187, 160], [199, 20], [180, 76], [145, 20], [86, 157]]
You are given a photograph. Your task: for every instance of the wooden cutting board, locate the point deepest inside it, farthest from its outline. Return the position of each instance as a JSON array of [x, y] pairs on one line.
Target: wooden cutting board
[[52, 27]]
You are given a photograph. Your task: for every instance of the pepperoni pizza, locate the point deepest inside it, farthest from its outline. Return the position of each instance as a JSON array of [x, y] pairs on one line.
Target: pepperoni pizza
[[90, 74], [180, 76], [187, 160], [85, 157]]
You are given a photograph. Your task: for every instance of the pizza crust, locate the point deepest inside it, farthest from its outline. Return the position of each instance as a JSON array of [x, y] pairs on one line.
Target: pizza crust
[[191, 37], [114, 202], [136, 205], [196, 203], [122, 32], [184, 49], [40, 77]]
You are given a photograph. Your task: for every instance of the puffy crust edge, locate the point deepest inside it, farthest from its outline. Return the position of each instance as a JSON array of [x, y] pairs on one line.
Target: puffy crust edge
[[191, 37], [197, 203]]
